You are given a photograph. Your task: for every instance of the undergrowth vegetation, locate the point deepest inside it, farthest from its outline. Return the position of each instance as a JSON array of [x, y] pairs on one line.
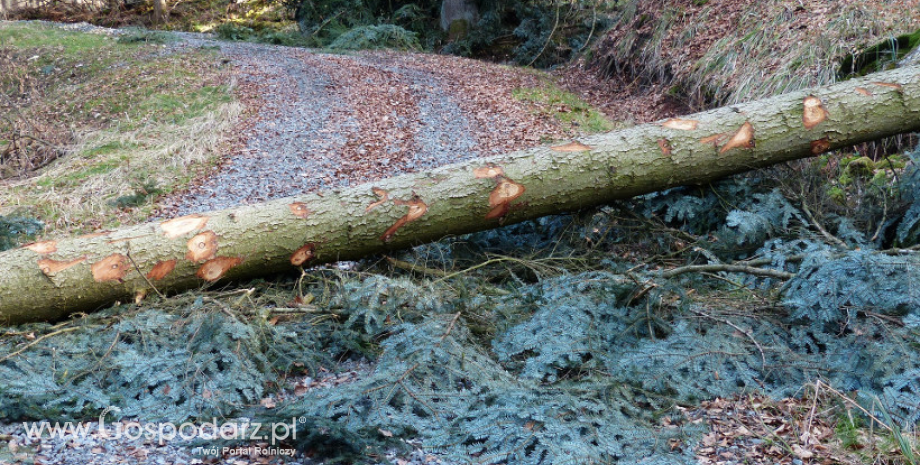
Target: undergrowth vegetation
[[93, 127], [570, 339], [723, 51], [541, 33]]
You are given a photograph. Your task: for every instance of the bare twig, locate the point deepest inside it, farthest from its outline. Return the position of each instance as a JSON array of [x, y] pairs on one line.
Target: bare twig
[[827, 235], [416, 268], [819, 385], [128, 254], [548, 39], [881, 224], [450, 327], [223, 307], [37, 340], [591, 32], [728, 268], [98, 362]]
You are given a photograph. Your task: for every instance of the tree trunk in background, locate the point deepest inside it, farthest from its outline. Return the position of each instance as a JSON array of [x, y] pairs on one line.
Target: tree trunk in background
[[48, 280], [159, 11], [458, 14]]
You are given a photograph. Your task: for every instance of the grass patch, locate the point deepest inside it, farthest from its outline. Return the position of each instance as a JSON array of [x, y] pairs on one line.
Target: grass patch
[[129, 118], [107, 148], [31, 36], [177, 108], [575, 114], [97, 169], [875, 439], [879, 57], [146, 36]]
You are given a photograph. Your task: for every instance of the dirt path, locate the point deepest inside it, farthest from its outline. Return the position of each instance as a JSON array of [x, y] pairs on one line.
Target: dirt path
[[320, 121]]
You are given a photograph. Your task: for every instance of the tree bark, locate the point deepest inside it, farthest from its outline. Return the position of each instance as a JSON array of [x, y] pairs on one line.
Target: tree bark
[[159, 11], [51, 279]]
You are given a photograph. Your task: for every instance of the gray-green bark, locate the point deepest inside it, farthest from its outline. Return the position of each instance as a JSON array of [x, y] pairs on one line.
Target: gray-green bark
[[48, 280]]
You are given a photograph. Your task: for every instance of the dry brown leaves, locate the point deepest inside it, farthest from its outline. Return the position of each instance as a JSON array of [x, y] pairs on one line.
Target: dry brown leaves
[[29, 139], [483, 91], [619, 99], [375, 108], [385, 108], [759, 430]]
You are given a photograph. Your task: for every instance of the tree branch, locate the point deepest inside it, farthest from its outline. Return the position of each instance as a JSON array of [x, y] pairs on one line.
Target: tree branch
[[729, 268]]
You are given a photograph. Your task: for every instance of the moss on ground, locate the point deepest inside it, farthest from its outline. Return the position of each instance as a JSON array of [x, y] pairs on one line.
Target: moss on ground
[[575, 114], [879, 57]]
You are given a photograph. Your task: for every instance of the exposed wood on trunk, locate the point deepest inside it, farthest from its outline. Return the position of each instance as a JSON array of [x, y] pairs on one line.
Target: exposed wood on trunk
[[49, 280]]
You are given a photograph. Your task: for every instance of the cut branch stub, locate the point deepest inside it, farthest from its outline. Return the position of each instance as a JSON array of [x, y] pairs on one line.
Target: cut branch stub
[[417, 208], [43, 248], [743, 139], [573, 146], [489, 171], [501, 197], [202, 247], [299, 209], [95, 234], [111, 268], [681, 124], [665, 147], [213, 269], [820, 146], [890, 85], [182, 225], [303, 254], [813, 112], [382, 197], [714, 139], [161, 270], [50, 267]]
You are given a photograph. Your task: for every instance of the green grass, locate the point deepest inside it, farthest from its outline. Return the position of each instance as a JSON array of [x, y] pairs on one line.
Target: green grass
[[96, 169], [127, 114], [879, 57], [572, 111], [177, 108], [107, 148], [877, 441], [25, 35]]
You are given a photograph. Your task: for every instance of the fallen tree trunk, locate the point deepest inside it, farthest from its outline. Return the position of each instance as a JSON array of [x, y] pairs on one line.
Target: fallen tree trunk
[[48, 280]]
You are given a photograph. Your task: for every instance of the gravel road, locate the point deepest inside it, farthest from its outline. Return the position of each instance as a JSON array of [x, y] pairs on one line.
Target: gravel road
[[320, 120]]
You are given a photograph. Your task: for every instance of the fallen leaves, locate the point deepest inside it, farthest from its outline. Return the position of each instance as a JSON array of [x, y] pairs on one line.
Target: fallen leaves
[[759, 430]]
